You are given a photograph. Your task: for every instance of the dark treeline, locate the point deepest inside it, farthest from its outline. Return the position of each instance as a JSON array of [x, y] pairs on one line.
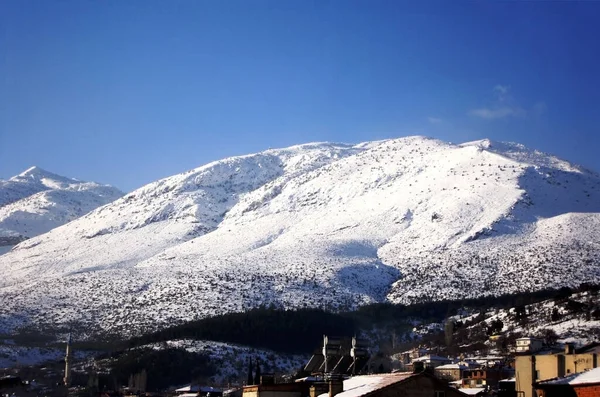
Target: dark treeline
[[287, 331], [300, 330], [163, 367]]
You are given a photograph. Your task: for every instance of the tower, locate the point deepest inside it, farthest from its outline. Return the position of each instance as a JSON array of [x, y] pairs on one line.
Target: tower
[[68, 362]]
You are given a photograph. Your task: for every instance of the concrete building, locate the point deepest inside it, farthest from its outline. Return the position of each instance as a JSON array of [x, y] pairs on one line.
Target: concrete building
[[450, 372], [534, 368], [528, 345], [482, 377], [432, 361]]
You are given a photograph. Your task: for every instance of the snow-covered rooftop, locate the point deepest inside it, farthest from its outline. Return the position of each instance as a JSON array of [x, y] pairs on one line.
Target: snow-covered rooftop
[[473, 391], [430, 357], [581, 378], [197, 388], [452, 366], [360, 385]]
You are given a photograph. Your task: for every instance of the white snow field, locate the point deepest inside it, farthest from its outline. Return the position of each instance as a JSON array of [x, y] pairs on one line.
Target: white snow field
[[317, 225], [37, 201]]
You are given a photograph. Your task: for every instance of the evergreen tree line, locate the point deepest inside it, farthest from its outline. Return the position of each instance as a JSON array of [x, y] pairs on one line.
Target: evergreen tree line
[[301, 330]]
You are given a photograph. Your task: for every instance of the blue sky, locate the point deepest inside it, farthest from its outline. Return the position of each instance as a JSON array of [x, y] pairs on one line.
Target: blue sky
[[126, 92]]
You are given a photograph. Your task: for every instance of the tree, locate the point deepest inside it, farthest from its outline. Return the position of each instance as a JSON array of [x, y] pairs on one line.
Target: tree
[[555, 315], [548, 336]]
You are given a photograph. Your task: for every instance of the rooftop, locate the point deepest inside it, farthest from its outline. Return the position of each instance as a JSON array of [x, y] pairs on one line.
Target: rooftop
[[432, 358], [582, 378], [361, 385]]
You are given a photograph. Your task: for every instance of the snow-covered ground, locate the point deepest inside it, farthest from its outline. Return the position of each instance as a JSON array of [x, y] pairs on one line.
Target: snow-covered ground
[[14, 356], [325, 225], [37, 201]]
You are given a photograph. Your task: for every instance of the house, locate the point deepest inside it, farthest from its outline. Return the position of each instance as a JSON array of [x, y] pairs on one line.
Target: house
[[528, 345], [506, 388], [450, 372], [482, 377], [432, 361], [406, 357], [580, 384], [534, 368]]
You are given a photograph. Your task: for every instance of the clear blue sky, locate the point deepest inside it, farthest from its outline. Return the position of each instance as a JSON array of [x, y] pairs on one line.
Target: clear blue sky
[[128, 91]]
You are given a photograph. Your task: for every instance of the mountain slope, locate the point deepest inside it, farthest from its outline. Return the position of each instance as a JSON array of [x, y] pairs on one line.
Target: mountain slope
[[332, 225], [37, 201]]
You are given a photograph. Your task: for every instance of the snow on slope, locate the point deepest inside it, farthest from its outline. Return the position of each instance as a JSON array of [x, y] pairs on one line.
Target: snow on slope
[[37, 201], [323, 225]]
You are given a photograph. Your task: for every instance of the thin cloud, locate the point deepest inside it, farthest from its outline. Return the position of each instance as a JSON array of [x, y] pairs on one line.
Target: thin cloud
[[498, 112], [504, 106], [434, 120], [501, 92]]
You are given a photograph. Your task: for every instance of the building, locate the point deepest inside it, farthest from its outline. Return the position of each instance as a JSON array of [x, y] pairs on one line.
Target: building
[[506, 388], [528, 345], [585, 384], [450, 372], [432, 361], [534, 368], [485, 377], [406, 357]]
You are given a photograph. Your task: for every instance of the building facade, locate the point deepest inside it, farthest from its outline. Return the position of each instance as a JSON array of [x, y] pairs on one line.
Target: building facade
[[534, 368]]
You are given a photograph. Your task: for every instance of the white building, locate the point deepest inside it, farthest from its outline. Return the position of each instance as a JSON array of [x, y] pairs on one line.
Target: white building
[[528, 345]]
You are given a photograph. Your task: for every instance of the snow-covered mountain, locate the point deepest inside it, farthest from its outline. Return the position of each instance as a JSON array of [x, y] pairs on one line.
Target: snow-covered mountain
[[37, 201], [327, 225]]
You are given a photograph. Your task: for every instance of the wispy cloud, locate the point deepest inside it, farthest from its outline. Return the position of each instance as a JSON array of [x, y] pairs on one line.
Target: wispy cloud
[[434, 120], [497, 112], [501, 92], [505, 106]]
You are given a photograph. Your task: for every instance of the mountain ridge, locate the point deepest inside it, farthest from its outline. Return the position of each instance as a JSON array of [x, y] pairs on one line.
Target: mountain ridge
[[37, 201], [317, 225]]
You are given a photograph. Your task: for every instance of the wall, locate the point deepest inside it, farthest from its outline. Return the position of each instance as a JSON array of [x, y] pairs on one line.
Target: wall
[[550, 366], [588, 391], [580, 362]]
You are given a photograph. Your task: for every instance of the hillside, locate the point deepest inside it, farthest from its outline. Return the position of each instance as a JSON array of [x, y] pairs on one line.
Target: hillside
[[37, 201], [316, 225]]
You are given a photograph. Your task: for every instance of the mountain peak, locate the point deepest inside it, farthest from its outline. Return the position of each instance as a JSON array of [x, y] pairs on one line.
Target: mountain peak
[[37, 174]]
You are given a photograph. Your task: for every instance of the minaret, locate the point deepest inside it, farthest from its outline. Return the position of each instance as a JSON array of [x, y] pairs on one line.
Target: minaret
[[68, 359]]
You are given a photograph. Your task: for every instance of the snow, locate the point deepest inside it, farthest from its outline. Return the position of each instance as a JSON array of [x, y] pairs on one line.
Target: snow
[[473, 391], [316, 225], [197, 388], [591, 376], [432, 358], [452, 366], [360, 385], [36, 201]]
